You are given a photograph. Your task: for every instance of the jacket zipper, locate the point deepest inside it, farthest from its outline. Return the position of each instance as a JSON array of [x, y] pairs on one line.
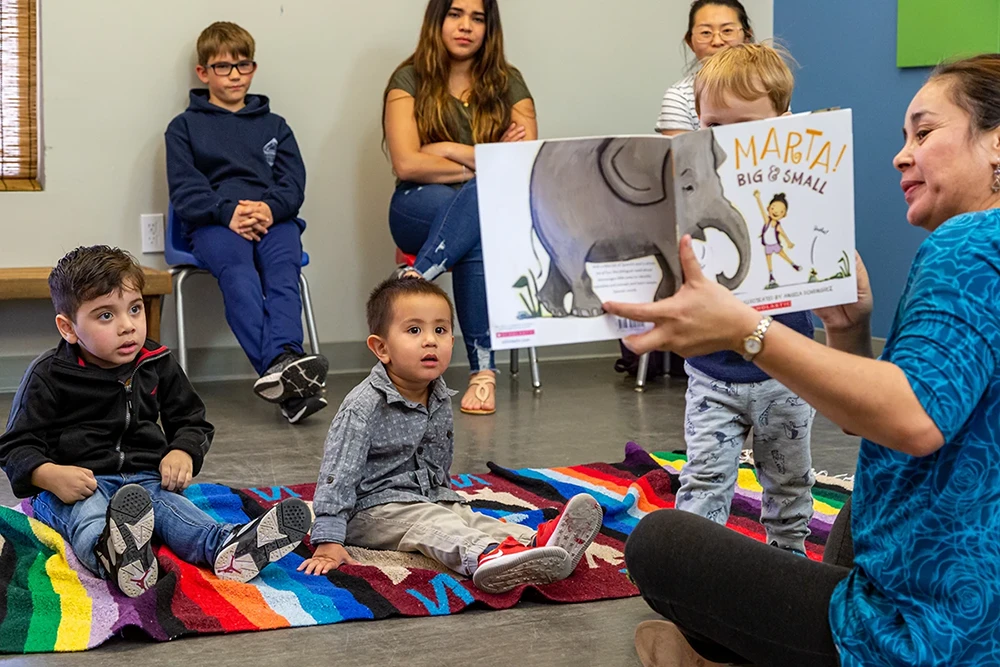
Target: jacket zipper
[[127, 385]]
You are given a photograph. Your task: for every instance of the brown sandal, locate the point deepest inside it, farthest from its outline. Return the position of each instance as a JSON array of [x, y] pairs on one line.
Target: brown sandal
[[483, 384]]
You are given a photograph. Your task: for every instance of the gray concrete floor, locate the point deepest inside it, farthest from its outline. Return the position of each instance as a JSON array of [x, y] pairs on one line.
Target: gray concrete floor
[[585, 412]]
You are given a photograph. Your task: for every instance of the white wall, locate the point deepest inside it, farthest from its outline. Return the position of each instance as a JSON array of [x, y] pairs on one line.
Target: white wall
[[115, 72]]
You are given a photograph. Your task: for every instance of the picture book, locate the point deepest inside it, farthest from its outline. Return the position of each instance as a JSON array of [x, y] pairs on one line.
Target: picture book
[[571, 223]]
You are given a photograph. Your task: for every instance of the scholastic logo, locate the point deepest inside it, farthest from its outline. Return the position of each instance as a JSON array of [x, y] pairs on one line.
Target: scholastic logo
[[515, 334], [772, 306]]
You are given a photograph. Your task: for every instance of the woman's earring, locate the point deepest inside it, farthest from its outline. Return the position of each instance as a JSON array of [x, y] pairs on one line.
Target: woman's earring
[[996, 178]]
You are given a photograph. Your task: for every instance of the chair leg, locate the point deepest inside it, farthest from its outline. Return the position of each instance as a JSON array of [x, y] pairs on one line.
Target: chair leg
[[515, 363], [640, 376], [179, 278], [310, 318], [536, 378]]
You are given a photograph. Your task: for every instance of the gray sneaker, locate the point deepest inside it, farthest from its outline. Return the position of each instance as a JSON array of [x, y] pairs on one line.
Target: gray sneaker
[[293, 375], [124, 547], [270, 537]]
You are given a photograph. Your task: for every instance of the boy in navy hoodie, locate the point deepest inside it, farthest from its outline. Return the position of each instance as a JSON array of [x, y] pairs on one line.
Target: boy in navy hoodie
[[237, 182], [85, 440]]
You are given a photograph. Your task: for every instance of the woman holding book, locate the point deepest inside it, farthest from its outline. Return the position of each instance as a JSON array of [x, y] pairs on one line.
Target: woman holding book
[[455, 91], [924, 584]]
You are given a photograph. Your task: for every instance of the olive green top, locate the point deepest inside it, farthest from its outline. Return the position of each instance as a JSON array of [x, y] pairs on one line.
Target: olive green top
[[406, 80]]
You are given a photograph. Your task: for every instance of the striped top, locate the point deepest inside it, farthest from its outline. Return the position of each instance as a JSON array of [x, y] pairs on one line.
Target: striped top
[[677, 109]]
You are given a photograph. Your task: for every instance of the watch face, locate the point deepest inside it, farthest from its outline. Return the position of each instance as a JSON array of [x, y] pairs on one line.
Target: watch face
[[752, 345]]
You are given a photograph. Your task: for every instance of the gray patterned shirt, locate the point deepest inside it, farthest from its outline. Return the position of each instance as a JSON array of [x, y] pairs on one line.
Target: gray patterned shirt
[[383, 448]]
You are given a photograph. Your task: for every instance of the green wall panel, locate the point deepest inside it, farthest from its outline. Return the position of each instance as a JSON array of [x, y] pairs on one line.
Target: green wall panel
[[929, 31]]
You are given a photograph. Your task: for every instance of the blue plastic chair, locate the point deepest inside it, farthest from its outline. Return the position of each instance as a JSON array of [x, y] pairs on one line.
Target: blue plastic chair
[[177, 253]]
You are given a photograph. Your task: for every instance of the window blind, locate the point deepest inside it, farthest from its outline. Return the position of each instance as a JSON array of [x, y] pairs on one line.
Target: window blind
[[19, 156]]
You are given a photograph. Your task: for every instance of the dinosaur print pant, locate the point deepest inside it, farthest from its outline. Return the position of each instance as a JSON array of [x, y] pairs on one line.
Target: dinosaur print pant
[[718, 417]]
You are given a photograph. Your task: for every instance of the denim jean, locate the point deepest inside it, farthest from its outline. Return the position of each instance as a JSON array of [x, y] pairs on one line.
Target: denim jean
[[440, 225], [190, 533], [260, 286]]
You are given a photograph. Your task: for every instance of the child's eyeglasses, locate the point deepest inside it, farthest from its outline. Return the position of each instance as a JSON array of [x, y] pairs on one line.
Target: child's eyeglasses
[[243, 67], [727, 34]]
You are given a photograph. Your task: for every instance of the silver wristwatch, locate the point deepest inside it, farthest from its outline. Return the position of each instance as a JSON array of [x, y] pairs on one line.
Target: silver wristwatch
[[754, 343]]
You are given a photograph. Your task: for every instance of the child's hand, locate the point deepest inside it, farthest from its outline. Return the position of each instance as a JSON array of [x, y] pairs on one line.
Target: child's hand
[[175, 470], [242, 224], [259, 211], [328, 556], [756, 193], [69, 483], [790, 245]]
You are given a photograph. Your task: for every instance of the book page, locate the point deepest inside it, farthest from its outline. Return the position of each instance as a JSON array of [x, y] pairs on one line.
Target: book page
[[791, 180], [569, 224]]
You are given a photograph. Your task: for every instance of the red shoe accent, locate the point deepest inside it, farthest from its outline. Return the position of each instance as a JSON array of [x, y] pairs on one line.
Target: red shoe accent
[[141, 581], [506, 548]]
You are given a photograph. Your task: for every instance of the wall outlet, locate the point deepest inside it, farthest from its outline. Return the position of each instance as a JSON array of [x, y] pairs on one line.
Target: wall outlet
[[151, 226]]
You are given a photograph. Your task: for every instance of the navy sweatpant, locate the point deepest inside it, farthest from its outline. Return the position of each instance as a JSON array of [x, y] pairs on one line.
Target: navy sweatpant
[[260, 286]]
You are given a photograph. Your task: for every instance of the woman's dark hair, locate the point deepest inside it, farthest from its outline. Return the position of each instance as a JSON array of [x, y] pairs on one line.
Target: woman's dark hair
[[735, 5], [976, 87], [780, 198], [433, 105]]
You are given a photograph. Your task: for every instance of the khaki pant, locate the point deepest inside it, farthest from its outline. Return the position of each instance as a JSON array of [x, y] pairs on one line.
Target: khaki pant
[[450, 533]]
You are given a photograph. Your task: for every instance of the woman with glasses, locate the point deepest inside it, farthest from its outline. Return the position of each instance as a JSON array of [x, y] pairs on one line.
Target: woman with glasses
[[712, 26], [455, 91]]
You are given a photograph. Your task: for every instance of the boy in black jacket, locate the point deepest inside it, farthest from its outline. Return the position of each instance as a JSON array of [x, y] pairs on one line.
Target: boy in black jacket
[[83, 439], [237, 182]]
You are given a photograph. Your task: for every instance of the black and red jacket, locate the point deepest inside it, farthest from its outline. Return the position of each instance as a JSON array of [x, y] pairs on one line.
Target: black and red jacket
[[68, 412]]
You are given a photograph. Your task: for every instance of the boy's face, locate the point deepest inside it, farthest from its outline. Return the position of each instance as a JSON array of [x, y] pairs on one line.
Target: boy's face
[[731, 109], [227, 90], [110, 329], [417, 346]]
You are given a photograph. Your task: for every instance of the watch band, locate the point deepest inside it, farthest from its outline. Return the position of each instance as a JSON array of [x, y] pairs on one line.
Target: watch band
[[756, 337]]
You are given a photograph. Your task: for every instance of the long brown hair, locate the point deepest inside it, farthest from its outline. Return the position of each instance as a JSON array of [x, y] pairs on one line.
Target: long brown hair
[[434, 107]]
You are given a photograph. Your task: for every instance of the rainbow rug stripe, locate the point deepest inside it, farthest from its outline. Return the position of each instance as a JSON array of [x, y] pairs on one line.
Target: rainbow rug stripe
[[49, 602]]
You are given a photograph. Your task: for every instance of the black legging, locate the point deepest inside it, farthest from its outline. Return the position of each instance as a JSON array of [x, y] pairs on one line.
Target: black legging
[[738, 600]]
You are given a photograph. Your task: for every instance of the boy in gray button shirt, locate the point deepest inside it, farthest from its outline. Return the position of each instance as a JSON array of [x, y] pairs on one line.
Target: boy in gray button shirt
[[384, 482]]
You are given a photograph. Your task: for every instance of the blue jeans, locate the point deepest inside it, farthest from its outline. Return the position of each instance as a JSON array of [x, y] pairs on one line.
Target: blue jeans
[[190, 533], [440, 225], [260, 286]]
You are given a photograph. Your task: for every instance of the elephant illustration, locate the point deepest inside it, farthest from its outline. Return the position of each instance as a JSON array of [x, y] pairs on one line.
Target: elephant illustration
[[604, 200]]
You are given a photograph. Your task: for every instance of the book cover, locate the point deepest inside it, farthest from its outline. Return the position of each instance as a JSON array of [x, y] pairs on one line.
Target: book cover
[[568, 224]]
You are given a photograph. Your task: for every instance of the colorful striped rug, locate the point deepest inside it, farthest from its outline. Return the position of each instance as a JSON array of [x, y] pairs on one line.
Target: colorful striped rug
[[49, 602]]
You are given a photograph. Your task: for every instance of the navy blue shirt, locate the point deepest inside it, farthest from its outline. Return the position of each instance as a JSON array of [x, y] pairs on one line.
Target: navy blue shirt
[[731, 367], [925, 588], [216, 157]]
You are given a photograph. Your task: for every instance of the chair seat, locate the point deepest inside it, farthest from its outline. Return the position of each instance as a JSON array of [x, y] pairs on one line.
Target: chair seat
[[180, 259], [403, 258]]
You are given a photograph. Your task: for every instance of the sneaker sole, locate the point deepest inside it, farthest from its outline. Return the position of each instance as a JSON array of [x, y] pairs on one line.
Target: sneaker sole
[[582, 519], [278, 533], [131, 521], [303, 377], [541, 565]]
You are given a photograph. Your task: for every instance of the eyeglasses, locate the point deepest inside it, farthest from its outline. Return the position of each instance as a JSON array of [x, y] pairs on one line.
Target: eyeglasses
[[225, 69], [705, 35]]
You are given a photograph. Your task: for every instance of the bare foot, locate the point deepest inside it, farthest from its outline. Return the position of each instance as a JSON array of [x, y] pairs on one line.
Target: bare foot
[[481, 396], [662, 644]]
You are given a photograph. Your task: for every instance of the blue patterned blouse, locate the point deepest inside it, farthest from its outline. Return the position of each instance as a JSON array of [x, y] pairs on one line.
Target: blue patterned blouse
[[925, 589]]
